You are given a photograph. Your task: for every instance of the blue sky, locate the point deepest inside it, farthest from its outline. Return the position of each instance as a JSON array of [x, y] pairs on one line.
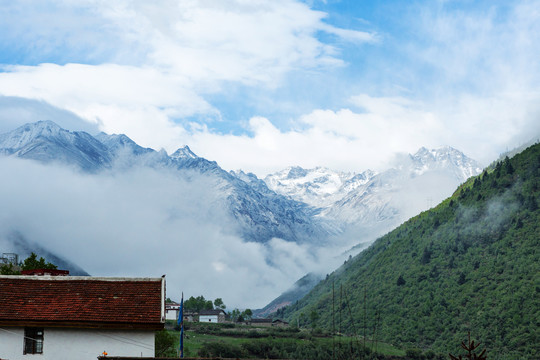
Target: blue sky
[[261, 85]]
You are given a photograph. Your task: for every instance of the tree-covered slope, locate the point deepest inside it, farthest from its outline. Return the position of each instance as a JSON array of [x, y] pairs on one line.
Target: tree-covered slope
[[470, 264]]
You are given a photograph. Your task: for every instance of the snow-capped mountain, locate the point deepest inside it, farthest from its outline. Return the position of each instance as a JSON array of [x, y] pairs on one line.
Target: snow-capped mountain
[[121, 143], [294, 204], [314, 209], [416, 183], [369, 204], [47, 142], [261, 214], [376, 202], [319, 187], [184, 153], [447, 159]]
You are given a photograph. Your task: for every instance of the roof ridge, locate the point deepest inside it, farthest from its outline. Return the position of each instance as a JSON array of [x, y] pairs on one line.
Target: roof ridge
[[77, 278]]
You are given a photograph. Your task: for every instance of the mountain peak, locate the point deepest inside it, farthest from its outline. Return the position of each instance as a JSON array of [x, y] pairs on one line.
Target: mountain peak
[[46, 141], [49, 124], [444, 157], [120, 144], [317, 187], [43, 127], [115, 141], [183, 153], [27, 133], [121, 138], [295, 172], [422, 150], [438, 152]]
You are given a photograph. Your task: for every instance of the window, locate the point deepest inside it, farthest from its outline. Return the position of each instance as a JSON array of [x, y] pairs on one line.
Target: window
[[33, 341]]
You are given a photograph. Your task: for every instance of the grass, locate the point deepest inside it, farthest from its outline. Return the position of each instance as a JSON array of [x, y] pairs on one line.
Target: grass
[[381, 348], [196, 339], [193, 342]]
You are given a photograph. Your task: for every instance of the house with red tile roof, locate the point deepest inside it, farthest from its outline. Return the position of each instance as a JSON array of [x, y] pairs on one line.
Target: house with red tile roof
[[72, 317]]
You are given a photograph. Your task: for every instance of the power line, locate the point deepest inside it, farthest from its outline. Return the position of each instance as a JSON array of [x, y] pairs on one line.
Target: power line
[[128, 341]]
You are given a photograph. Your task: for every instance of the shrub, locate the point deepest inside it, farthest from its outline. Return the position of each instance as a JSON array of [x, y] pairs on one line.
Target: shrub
[[221, 349]]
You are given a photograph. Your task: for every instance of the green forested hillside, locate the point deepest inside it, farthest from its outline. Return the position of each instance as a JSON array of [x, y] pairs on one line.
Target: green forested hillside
[[470, 264]]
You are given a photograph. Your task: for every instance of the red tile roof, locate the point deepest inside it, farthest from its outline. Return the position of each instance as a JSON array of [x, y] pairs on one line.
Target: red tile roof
[[43, 272], [81, 301]]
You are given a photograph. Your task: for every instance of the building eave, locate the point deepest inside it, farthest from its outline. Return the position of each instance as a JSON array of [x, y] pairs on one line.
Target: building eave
[[83, 325]]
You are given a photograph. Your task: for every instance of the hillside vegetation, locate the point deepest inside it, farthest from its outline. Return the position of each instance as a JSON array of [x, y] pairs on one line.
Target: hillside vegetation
[[470, 264], [230, 340]]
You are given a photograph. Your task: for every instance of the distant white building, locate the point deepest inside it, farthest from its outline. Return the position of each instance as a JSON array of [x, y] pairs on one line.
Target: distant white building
[[212, 316], [171, 310], [9, 258], [79, 317]]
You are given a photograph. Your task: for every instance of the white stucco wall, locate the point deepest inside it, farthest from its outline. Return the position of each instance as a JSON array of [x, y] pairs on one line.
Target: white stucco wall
[[69, 344], [208, 318], [171, 314]]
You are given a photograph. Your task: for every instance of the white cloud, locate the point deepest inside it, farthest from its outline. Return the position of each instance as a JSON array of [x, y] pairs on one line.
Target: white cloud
[[464, 88], [470, 80], [234, 40], [350, 35], [140, 101], [15, 111], [369, 136], [343, 140], [145, 222], [484, 71], [485, 50], [208, 41], [160, 60]]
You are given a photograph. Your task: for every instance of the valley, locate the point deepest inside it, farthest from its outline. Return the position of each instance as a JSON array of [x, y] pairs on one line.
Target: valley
[[422, 285]]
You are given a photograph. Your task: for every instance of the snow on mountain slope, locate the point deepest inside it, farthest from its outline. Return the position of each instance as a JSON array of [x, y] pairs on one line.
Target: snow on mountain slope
[[116, 143], [318, 187], [445, 158], [368, 205], [253, 181], [125, 153], [284, 205], [380, 201], [47, 142], [312, 210], [184, 153], [260, 213], [416, 183]]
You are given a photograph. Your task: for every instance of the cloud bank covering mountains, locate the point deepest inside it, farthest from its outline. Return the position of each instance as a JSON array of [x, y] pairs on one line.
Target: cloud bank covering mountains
[[115, 208]]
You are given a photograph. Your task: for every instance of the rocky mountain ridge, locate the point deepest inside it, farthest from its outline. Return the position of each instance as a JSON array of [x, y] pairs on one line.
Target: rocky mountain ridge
[[314, 209], [377, 201], [261, 214]]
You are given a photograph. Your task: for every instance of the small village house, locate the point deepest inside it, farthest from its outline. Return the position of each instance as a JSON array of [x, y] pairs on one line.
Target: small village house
[[212, 316], [171, 310], [67, 317]]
